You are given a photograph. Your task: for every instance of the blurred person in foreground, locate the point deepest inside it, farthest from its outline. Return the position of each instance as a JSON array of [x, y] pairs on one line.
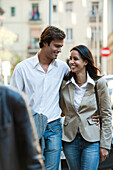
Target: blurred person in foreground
[[84, 143], [19, 145]]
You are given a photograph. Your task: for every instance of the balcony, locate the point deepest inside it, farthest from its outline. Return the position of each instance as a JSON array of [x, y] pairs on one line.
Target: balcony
[[35, 0], [33, 46], [34, 17], [92, 17], [31, 21]]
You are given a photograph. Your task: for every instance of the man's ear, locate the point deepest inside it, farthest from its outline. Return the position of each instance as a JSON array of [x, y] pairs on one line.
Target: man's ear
[[45, 44]]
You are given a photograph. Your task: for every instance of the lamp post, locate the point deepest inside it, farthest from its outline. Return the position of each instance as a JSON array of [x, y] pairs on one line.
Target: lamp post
[[50, 12], [104, 59], [98, 39]]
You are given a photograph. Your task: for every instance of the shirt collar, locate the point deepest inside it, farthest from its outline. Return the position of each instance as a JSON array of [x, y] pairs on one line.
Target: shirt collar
[[89, 80], [36, 61], [54, 62]]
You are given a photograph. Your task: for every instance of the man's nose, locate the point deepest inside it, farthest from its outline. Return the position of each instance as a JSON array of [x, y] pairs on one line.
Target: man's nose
[[59, 50]]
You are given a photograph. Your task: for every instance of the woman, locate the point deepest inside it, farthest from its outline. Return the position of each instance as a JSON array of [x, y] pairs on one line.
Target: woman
[[84, 143]]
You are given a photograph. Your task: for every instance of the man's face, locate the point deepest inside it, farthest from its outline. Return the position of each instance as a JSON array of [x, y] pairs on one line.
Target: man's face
[[53, 49]]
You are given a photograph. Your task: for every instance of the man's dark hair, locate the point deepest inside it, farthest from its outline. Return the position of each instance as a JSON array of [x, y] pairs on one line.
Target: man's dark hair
[[49, 34]]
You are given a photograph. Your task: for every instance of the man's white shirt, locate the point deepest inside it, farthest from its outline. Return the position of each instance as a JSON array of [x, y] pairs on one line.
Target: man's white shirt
[[41, 88]]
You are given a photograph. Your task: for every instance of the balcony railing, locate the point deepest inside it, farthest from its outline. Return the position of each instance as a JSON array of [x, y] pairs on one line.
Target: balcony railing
[[92, 18], [33, 47], [34, 17]]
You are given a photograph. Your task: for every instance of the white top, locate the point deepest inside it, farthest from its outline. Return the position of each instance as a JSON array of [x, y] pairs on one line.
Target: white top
[[41, 88], [79, 91]]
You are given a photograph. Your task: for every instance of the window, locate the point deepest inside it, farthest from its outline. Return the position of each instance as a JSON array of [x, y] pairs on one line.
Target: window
[[96, 37], [34, 34], [69, 7], [93, 34], [35, 12], [69, 34], [94, 8], [54, 8], [12, 11]]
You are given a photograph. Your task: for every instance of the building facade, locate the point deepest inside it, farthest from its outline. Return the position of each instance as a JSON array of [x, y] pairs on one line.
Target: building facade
[[110, 37], [80, 19]]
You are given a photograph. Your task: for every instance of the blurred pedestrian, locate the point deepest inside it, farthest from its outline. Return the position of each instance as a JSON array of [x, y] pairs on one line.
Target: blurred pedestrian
[[19, 146], [84, 143]]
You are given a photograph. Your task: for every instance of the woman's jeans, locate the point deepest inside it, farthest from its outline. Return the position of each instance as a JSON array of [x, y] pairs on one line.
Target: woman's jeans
[[81, 155], [53, 145]]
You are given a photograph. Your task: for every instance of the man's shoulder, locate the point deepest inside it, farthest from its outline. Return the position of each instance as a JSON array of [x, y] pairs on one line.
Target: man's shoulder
[[26, 62], [60, 62]]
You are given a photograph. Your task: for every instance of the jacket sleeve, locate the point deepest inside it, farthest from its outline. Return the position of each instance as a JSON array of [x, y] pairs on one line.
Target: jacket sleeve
[[27, 140], [106, 131]]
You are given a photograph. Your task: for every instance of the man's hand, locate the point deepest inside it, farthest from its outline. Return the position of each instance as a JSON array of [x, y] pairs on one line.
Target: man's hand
[[103, 154], [96, 119]]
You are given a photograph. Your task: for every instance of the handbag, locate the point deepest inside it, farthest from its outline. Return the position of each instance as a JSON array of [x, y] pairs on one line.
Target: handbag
[[108, 163], [98, 105]]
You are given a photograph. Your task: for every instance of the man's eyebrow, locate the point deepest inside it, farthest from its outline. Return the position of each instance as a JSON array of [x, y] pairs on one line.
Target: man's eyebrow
[[58, 45]]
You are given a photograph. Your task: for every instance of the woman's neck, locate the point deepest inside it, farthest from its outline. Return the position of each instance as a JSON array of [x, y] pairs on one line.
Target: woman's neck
[[80, 79]]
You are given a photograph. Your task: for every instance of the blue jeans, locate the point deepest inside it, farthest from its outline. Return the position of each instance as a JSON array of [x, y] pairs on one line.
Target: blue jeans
[[81, 155], [53, 145]]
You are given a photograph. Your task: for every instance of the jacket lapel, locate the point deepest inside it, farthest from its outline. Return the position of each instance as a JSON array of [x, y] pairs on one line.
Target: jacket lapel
[[71, 88]]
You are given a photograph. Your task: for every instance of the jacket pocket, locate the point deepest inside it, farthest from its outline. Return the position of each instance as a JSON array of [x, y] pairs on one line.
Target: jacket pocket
[[4, 131], [66, 121], [91, 122]]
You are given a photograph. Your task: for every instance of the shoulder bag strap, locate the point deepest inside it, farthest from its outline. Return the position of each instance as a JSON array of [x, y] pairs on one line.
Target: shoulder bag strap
[[98, 105]]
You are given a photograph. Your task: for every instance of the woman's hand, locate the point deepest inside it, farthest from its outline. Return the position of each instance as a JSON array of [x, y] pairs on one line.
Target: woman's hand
[[103, 154], [96, 119]]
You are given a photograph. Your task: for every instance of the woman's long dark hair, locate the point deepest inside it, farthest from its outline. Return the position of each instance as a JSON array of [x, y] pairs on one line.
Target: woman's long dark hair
[[90, 67]]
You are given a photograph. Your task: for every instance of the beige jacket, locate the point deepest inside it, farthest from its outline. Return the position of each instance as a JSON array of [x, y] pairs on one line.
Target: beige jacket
[[82, 118]]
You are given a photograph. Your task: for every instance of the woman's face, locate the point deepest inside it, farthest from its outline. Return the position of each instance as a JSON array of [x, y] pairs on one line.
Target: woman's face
[[76, 63]]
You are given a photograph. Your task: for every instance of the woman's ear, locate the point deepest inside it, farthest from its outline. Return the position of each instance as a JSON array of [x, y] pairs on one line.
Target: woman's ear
[[86, 62]]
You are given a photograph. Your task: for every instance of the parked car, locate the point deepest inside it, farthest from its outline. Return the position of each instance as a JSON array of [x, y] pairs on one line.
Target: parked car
[[108, 163], [109, 79]]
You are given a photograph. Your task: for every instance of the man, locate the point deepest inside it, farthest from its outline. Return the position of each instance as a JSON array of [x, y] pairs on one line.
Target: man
[[40, 77], [19, 146]]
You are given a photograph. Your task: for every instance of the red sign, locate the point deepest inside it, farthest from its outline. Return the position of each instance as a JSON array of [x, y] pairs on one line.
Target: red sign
[[105, 52]]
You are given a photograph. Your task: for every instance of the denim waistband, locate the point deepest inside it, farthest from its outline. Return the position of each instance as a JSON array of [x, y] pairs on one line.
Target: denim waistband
[[57, 120]]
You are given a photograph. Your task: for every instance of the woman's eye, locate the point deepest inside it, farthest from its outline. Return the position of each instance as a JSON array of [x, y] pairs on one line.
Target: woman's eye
[[75, 58]]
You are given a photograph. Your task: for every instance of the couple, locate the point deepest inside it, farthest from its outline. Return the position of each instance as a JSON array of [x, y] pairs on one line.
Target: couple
[[45, 79]]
